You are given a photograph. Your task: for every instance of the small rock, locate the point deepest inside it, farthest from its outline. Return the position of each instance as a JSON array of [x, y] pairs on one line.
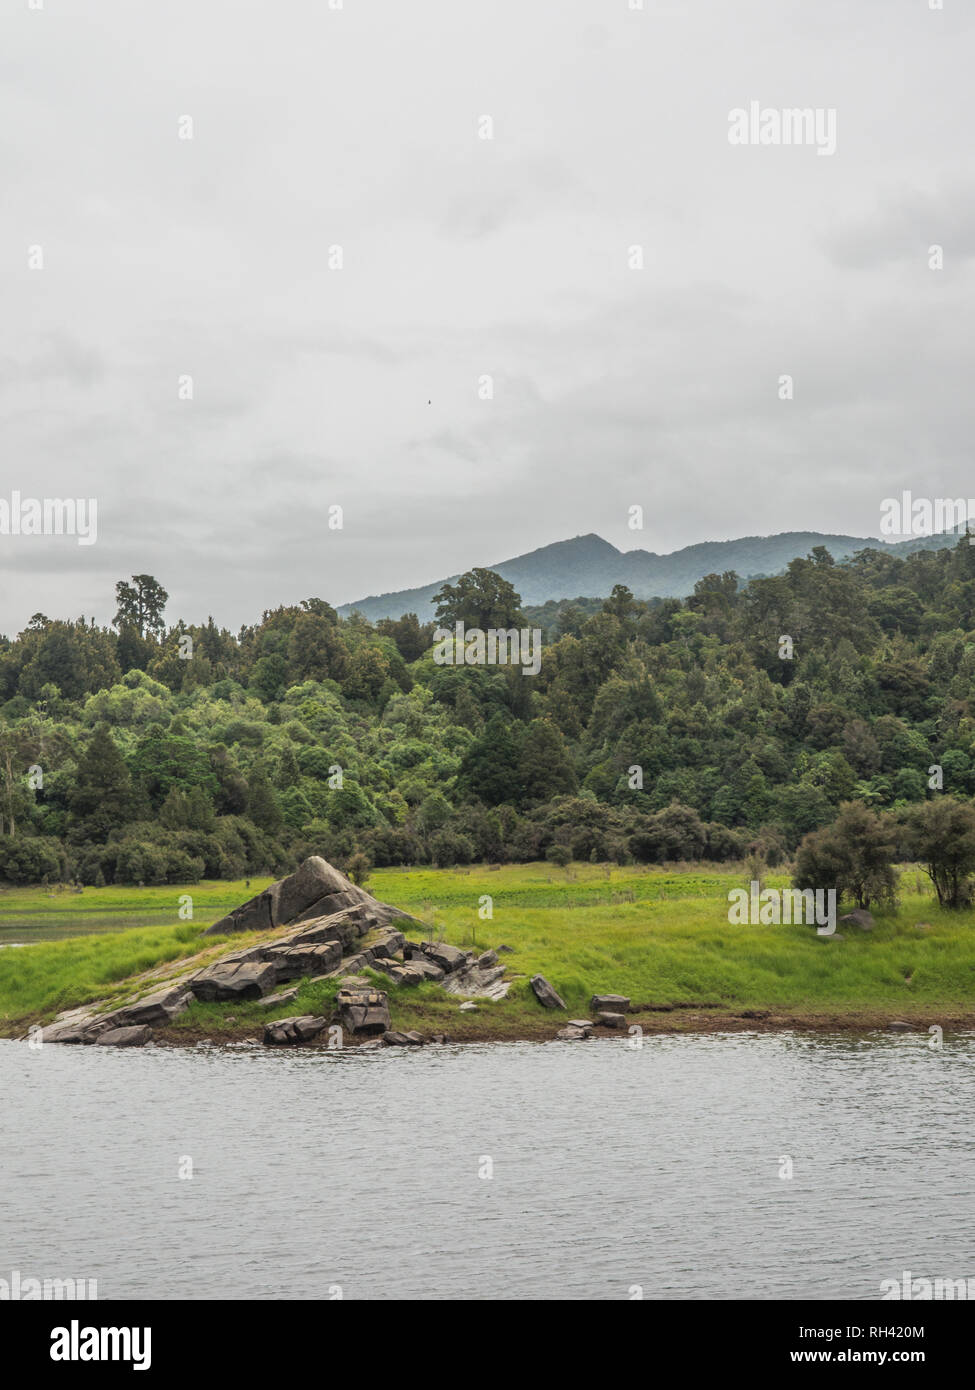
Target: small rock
[[447, 957], [861, 918], [394, 1039], [389, 945], [488, 958], [506, 950], [611, 1020], [572, 1033], [467, 1008], [898, 1027], [285, 1031], [609, 1003]]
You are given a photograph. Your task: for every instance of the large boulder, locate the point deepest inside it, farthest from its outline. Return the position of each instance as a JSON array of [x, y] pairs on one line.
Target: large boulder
[[363, 1010], [257, 914], [250, 980], [315, 884], [545, 994], [314, 891]]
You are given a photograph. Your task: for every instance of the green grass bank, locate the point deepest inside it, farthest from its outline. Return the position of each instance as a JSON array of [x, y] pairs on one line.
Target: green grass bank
[[661, 936]]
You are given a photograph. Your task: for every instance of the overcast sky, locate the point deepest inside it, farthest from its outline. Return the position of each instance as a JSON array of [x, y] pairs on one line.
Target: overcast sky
[[463, 257]]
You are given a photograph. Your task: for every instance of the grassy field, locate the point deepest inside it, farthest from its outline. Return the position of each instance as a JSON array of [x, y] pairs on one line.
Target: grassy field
[[660, 936], [47, 914]]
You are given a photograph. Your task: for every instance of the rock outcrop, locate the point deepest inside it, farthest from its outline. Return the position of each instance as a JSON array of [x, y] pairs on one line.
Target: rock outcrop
[[314, 890], [334, 929]]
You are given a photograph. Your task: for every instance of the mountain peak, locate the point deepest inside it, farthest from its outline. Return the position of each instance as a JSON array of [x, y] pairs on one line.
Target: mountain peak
[[588, 567]]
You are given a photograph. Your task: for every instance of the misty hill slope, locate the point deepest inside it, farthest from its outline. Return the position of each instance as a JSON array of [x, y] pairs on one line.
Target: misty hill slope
[[588, 566]]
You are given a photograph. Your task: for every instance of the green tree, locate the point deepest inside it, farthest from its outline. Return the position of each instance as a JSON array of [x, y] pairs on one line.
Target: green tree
[[481, 599], [140, 605], [855, 855], [102, 797], [941, 836]]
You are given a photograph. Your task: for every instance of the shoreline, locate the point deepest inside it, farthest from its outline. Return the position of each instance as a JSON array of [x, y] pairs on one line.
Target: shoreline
[[656, 1023]]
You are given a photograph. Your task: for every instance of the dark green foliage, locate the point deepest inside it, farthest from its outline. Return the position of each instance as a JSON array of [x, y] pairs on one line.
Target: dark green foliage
[[655, 731]]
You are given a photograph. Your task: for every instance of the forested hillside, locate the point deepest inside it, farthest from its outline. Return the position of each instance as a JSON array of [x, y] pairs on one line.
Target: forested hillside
[[153, 753]]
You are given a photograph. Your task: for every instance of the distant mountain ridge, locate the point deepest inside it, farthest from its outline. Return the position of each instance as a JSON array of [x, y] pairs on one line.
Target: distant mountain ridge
[[588, 567]]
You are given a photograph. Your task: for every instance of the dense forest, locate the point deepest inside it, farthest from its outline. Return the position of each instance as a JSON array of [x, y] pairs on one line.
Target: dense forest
[[733, 722]]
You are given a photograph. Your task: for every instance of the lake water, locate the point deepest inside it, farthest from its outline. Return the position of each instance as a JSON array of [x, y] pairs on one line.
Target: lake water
[[612, 1167]]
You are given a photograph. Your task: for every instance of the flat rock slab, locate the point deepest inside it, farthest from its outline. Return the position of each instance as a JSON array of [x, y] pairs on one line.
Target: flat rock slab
[[252, 980], [284, 997], [571, 1033], [353, 964], [136, 1036], [291, 1031], [545, 994], [311, 958], [478, 981], [70, 1027], [609, 1003], [394, 1039], [159, 1007], [401, 974]]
